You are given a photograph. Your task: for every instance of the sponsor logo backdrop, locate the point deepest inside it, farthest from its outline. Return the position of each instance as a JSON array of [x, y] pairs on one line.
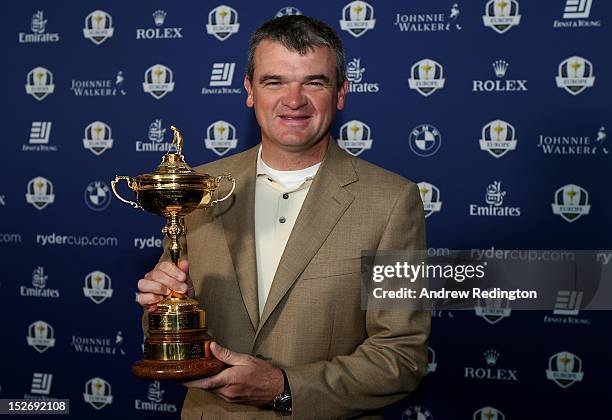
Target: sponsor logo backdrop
[[498, 109]]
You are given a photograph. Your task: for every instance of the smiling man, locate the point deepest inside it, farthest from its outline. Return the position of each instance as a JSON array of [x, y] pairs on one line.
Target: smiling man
[[277, 268]]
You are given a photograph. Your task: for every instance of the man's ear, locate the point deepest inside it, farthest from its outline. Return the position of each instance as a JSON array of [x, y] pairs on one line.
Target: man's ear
[[342, 95], [249, 89]]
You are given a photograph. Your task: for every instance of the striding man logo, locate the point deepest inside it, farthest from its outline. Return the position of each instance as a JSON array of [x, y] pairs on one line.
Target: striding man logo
[[221, 137], [355, 137], [158, 81], [498, 138], [426, 76], [575, 75], [222, 22], [501, 15], [98, 27], [357, 18], [571, 202], [39, 83]]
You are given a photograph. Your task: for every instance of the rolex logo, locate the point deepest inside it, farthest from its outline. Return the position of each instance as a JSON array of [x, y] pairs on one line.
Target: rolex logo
[[159, 16], [491, 357], [500, 67]]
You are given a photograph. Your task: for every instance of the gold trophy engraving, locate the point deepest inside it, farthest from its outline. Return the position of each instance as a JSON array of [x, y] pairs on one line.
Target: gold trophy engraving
[[177, 346]]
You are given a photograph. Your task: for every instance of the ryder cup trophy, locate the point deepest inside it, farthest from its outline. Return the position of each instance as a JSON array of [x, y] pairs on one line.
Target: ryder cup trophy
[[177, 346]]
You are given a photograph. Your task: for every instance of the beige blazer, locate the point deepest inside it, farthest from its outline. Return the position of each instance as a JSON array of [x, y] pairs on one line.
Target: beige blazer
[[341, 361]]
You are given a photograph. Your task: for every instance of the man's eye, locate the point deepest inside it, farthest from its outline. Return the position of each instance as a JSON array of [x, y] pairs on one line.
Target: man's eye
[[272, 83], [315, 83]]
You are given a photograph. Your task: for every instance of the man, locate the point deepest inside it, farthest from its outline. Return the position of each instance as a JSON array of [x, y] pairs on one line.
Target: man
[[277, 267]]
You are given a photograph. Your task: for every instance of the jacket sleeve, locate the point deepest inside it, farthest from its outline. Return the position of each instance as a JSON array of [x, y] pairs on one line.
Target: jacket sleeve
[[391, 361]]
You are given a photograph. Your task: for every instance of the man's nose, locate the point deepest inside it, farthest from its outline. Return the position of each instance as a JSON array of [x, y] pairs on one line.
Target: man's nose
[[294, 97]]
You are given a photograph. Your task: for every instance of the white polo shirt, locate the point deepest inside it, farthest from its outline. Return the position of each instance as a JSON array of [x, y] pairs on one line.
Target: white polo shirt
[[278, 199]]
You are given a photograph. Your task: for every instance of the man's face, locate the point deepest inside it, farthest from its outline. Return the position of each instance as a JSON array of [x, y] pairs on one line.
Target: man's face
[[295, 96]]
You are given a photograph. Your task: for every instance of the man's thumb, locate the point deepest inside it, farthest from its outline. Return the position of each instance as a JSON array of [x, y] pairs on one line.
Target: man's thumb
[[225, 355]]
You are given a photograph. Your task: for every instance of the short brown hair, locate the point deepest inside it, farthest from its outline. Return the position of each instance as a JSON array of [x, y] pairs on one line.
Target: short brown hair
[[301, 34]]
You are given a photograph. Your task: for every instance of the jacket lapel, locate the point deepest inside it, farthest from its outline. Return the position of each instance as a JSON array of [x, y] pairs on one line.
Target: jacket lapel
[[239, 227], [325, 203]]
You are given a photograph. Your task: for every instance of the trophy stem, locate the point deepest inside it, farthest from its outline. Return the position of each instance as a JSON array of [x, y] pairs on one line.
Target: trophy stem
[[174, 229]]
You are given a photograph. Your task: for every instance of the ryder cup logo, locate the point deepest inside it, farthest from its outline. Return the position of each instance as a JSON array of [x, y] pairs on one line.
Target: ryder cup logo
[[564, 369], [355, 137], [571, 202], [426, 76], [357, 18], [575, 75], [498, 138], [488, 413], [158, 81], [98, 26], [97, 195], [493, 310], [98, 393], [430, 196], [40, 336], [501, 15], [97, 287], [98, 138], [221, 137], [425, 140], [40, 192], [222, 22], [39, 83]]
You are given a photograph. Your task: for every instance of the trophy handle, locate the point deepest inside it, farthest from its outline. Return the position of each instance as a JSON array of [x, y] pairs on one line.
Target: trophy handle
[[227, 177], [129, 183]]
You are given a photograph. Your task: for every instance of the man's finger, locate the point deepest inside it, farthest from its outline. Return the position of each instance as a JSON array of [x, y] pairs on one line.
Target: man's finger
[[213, 382], [149, 286], [167, 280], [148, 298], [172, 270], [183, 265]]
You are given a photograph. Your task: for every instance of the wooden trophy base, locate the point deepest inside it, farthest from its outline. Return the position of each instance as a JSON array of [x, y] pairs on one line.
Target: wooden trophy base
[[180, 370]]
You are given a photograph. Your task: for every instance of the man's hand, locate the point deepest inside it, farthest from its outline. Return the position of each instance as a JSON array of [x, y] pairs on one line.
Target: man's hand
[[249, 380], [161, 281]]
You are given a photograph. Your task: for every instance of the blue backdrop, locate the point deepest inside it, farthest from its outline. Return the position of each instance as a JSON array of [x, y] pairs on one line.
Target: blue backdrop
[[496, 107]]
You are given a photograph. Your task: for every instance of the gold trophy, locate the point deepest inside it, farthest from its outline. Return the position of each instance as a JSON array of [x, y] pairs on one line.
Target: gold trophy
[[177, 346]]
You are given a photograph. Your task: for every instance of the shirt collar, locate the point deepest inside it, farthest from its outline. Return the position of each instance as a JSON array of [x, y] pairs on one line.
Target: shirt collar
[[289, 179]]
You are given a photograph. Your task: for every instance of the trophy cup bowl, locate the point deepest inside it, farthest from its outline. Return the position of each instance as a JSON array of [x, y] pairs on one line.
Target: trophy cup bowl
[[177, 346]]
